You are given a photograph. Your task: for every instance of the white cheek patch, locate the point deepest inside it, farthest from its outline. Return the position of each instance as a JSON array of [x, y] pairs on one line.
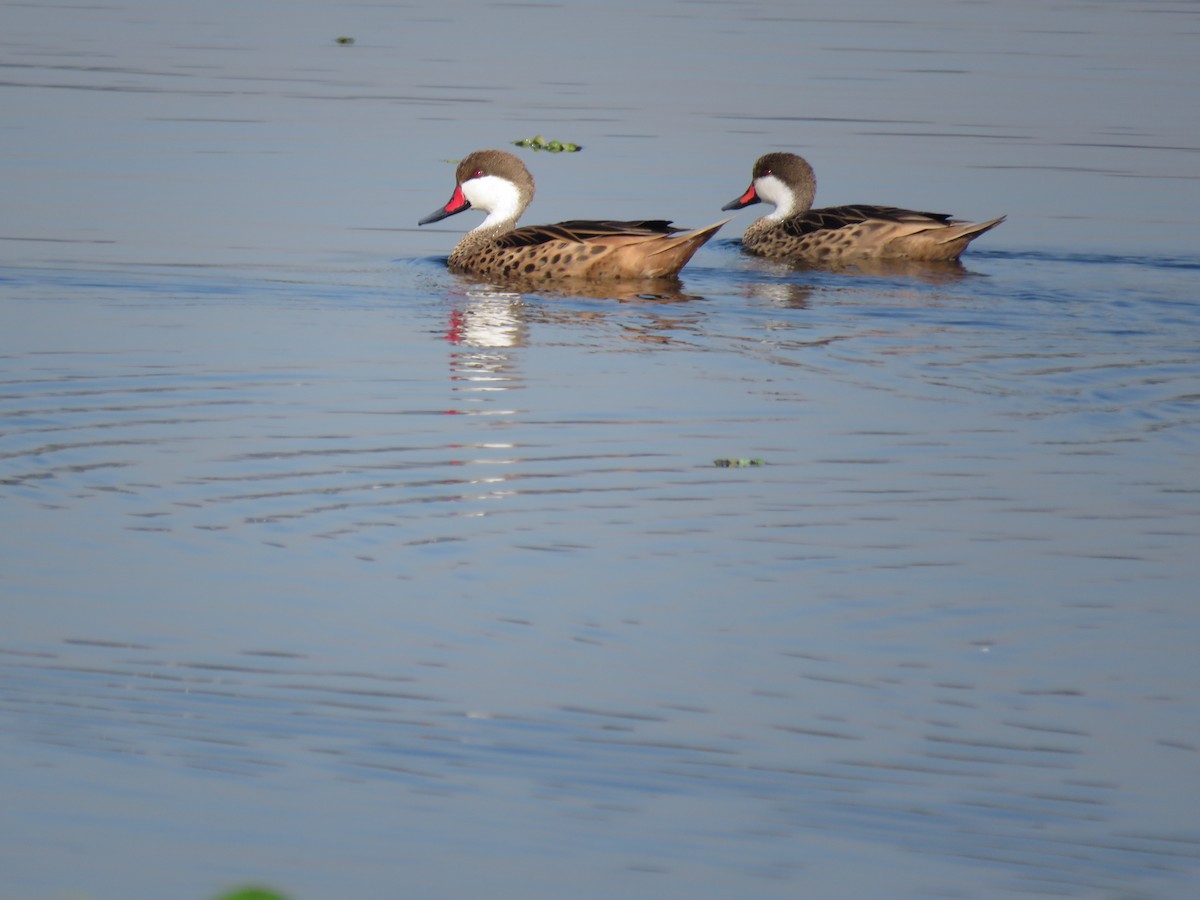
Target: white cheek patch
[[771, 190], [498, 197]]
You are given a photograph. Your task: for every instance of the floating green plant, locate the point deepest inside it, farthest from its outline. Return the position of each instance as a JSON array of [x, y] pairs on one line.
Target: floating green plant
[[252, 893], [734, 462], [540, 143], [344, 40]]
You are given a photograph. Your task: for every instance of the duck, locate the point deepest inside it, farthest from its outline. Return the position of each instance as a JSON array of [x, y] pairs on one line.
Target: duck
[[498, 183], [842, 235]]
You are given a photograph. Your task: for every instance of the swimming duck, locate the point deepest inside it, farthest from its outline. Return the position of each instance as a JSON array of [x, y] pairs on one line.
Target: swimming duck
[[497, 182], [838, 235]]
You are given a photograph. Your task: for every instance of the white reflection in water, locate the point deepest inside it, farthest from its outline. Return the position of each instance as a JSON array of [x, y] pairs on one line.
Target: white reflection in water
[[489, 319]]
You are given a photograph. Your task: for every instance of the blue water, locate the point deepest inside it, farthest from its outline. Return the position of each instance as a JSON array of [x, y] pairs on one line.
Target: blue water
[[327, 569]]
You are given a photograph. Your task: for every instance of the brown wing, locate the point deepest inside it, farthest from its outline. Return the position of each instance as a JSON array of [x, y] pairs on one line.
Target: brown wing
[[840, 216], [582, 230]]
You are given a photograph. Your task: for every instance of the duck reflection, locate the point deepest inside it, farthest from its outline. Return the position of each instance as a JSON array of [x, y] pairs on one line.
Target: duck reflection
[[929, 271], [484, 329], [639, 290], [779, 282], [487, 319], [784, 294]]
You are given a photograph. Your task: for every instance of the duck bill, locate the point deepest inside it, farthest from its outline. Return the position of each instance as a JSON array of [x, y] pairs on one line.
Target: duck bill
[[458, 203], [747, 199]]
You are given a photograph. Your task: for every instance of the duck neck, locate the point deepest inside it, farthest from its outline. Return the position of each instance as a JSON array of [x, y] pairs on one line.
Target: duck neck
[[503, 201], [788, 200]]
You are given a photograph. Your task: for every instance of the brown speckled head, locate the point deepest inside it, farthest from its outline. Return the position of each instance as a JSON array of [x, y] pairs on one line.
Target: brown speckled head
[[494, 181], [784, 180], [499, 164], [792, 170]]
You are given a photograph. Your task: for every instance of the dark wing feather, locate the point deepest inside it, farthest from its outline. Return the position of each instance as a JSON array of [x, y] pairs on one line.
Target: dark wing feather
[[840, 216], [582, 230]]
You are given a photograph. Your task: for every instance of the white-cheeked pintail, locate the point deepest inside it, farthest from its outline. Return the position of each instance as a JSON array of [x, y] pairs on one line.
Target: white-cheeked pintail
[[498, 183], [840, 235]]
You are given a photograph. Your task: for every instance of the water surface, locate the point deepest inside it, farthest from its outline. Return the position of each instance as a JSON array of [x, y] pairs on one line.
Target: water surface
[[326, 568]]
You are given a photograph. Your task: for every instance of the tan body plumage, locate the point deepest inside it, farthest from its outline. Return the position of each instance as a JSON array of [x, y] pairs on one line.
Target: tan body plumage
[[841, 235], [497, 182]]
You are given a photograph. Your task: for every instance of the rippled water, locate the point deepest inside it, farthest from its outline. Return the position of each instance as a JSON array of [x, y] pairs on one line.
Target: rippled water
[[328, 569]]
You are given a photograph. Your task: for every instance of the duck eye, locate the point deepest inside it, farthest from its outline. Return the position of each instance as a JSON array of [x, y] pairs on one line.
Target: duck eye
[[478, 173]]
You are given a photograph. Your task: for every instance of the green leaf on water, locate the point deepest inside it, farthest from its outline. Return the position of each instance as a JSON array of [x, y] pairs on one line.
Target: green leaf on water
[[540, 143], [253, 893], [727, 462]]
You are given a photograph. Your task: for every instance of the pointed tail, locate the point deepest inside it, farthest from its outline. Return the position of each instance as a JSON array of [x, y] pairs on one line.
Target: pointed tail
[[672, 253], [964, 232]]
